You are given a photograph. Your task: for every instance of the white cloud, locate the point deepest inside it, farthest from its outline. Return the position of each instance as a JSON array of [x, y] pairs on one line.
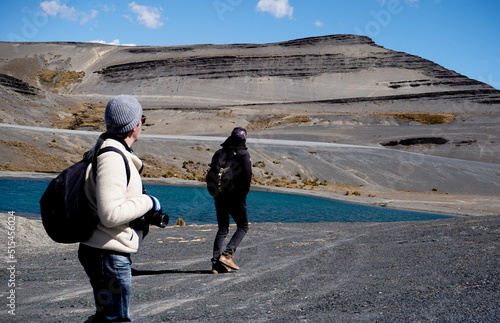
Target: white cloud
[[318, 23], [86, 17], [114, 42], [148, 16], [411, 3], [277, 8], [54, 8], [106, 8], [128, 18]]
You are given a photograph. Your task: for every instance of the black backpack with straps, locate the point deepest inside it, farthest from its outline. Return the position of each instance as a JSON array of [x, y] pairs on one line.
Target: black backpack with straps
[[219, 177], [66, 213]]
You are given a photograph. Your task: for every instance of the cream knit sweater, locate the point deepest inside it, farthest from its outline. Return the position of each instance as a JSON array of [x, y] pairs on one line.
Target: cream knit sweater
[[116, 203]]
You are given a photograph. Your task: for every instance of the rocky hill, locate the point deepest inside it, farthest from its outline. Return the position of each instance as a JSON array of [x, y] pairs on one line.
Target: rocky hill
[[342, 89], [344, 67]]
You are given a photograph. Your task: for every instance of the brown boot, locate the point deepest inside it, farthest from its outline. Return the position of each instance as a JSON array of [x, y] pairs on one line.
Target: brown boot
[[228, 262], [219, 268]]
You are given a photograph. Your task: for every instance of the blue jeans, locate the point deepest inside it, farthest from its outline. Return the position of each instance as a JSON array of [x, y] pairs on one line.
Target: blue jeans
[[237, 208], [110, 275]]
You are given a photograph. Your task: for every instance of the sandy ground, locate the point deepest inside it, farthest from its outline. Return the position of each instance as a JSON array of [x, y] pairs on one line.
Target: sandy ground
[[430, 271]]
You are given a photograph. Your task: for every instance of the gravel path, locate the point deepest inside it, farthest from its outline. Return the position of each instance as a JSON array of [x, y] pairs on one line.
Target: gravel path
[[436, 271]]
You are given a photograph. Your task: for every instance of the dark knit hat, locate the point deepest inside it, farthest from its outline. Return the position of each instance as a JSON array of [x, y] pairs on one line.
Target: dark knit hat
[[237, 138], [123, 113], [239, 133]]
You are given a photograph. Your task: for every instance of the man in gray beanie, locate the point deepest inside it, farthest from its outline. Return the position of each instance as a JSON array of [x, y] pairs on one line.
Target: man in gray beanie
[[122, 114], [115, 192]]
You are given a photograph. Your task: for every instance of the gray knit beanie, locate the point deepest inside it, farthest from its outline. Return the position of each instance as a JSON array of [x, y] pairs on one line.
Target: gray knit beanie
[[123, 113]]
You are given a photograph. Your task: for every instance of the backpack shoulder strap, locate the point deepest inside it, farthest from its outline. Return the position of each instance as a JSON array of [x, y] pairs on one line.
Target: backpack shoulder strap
[[110, 148]]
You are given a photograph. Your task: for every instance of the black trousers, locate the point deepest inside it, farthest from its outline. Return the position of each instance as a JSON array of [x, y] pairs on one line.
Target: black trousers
[[237, 209]]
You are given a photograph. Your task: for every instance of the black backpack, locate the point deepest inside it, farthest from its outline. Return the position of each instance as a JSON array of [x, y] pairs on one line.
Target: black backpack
[[66, 213], [220, 175]]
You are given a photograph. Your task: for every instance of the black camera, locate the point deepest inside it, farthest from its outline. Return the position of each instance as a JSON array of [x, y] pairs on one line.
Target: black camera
[[151, 218], [156, 218]]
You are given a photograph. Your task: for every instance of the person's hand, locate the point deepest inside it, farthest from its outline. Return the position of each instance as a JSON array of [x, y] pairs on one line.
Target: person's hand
[[155, 216], [156, 204]]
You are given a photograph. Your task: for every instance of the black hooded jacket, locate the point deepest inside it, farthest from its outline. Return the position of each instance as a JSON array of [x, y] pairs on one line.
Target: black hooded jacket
[[242, 165]]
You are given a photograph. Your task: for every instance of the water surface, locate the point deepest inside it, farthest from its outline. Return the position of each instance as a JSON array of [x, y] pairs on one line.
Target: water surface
[[196, 206]]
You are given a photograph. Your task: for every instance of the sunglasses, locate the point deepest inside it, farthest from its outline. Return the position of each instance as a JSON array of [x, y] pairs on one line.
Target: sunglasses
[[143, 119]]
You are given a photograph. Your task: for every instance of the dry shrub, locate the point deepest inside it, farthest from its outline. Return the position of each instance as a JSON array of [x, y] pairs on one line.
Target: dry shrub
[[275, 120], [189, 171], [423, 118], [155, 169], [90, 116], [195, 171], [302, 183], [297, 119], [276, 182], [312, 182], [69, 77], [31, 159], [265, 122], [60, 79], [47, 76], [225, 114], [259, 163]]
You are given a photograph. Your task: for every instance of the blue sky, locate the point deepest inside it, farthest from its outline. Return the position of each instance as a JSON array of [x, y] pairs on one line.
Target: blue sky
[[461, 35]]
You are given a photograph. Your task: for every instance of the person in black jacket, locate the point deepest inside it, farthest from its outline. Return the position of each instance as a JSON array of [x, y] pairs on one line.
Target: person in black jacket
[[233, 204]]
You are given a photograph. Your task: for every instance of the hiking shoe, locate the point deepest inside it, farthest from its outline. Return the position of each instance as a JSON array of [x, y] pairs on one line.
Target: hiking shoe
[[228, 262], [219, 268]]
